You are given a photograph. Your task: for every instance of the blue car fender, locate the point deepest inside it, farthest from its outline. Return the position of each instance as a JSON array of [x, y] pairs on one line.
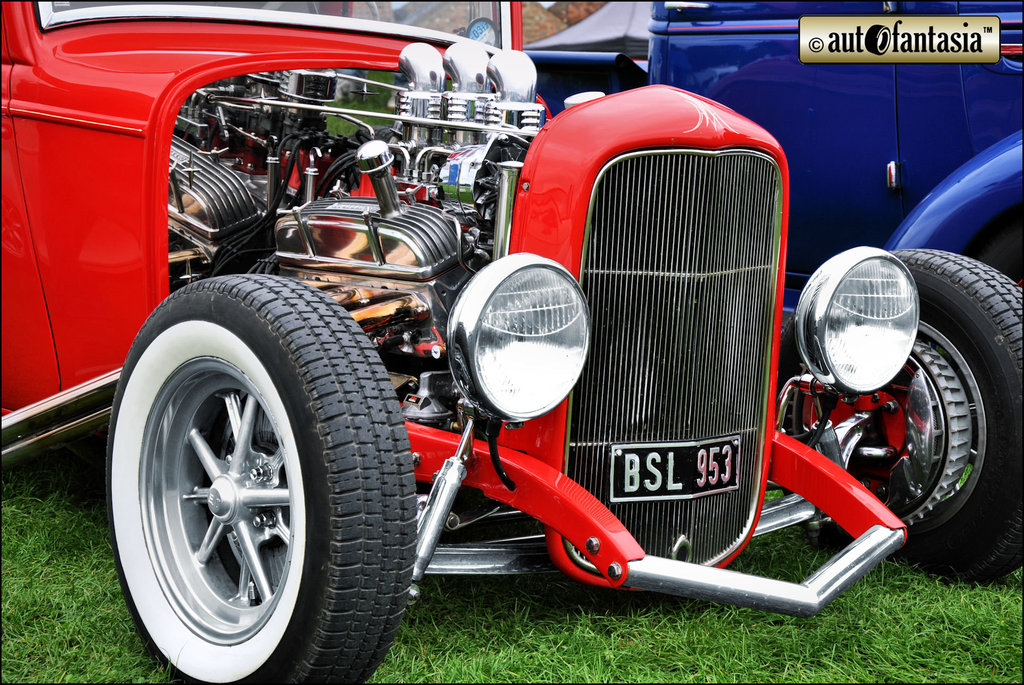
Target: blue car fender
[[966, 202]]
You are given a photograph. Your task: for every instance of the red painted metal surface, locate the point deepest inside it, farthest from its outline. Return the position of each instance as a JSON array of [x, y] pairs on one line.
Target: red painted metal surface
[[517, 25], [99, 101], [797, 467], [30, 370], [541, 491]]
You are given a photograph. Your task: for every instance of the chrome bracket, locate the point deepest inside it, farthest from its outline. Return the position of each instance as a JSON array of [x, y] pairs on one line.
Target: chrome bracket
[[439, 502]]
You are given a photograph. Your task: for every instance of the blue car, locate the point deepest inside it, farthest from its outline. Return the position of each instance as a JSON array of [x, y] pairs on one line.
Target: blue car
[[896, 156]]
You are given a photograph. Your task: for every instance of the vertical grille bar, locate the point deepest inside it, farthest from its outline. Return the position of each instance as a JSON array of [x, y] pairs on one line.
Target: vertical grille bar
[[679, 271]]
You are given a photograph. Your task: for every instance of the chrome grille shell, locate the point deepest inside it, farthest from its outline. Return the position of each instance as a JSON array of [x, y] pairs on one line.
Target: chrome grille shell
[[680, 266]]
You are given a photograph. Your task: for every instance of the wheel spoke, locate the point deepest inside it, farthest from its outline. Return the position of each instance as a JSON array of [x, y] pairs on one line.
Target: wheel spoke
[[213, 536], [243, 583], [209, 460], [276, 459], [198, 495], [234, 411], [243, 437], [251, 554], [264, 497], [282, 531]]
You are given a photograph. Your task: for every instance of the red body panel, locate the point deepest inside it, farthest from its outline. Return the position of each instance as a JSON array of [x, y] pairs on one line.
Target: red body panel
[[552, 206], [102, 246], [30, 370], [29, 363]]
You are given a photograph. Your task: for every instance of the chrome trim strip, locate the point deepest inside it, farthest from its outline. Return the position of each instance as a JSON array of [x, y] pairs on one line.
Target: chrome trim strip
[[492, 558], [49, 19], [506, 27], [61, 417], [797, 599], [76, 121], [783, 512]]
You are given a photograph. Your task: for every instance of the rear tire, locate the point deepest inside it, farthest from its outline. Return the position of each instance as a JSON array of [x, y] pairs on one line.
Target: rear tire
[[260, 488]]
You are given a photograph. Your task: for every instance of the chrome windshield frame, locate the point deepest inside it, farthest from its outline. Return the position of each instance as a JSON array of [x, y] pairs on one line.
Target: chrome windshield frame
[[51, 19]]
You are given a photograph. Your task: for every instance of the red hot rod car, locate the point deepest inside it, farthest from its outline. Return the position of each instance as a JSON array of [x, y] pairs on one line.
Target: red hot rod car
[[339, 291]]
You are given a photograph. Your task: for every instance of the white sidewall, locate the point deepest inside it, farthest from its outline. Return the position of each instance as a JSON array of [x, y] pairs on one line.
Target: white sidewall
[[182, 647]]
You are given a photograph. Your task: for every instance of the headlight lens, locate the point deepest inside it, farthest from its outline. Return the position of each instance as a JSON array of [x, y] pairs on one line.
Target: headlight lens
[[518, 336], [857, 320]]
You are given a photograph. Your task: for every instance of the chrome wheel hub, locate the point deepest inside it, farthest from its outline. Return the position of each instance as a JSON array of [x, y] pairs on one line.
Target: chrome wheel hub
[[945, 435], [223, 499], [219, 537]]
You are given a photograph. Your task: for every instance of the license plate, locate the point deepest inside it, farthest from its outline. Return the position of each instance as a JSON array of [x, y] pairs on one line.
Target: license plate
[[674, 470]]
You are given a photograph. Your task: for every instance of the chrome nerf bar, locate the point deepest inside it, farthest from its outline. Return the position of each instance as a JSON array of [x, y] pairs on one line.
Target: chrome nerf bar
[[797, 599]]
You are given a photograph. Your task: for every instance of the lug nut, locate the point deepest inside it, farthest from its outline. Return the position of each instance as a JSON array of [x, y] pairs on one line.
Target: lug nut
[[261, 473], [265, 519]]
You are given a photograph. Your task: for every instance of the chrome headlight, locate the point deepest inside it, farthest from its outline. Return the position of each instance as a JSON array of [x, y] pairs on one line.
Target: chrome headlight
[[517, 337], [856, 320]]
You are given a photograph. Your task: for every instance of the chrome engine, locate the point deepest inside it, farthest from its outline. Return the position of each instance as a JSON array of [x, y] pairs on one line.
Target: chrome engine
[[383, 189]]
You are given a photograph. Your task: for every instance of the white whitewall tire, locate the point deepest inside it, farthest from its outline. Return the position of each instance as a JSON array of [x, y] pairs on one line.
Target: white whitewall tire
[[256, 449]]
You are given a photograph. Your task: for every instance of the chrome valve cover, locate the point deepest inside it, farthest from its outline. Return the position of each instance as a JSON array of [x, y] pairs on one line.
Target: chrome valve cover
[[418, 244], [205, 197]]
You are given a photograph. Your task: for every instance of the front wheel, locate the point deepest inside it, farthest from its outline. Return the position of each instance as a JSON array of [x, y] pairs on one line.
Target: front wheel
[[957, 482], [260, 488], [963, 502]]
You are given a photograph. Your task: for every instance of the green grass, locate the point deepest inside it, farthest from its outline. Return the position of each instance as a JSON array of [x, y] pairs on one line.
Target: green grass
[[377, 100], [64, 619]]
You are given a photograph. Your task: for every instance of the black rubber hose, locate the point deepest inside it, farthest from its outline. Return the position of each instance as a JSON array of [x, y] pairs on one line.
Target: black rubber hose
[[491, 430], [337, 167], [828, 403]]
